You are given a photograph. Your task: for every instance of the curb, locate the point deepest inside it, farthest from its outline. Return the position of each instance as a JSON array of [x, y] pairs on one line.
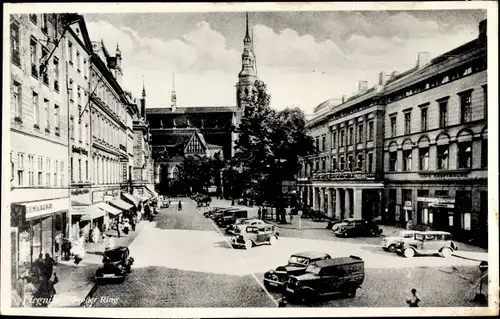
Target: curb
[[467, 258], [89, 295]]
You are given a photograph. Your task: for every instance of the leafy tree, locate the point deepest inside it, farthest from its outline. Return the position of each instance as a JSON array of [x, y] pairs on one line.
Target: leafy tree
[[269, 147]]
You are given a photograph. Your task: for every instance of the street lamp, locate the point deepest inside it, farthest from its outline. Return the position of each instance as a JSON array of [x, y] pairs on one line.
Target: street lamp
[[480, 297]]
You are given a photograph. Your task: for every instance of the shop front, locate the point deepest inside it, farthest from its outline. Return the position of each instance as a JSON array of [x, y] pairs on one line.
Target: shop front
[[151, 191], [125, 208], [437, 212], [40, 225]]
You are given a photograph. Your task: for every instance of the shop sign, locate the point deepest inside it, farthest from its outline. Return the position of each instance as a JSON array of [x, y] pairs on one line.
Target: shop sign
[[408, 203], [40, 208], [445, 174], [124, 172], [444, 202], [107, 198], [79, 210], [97, 196]]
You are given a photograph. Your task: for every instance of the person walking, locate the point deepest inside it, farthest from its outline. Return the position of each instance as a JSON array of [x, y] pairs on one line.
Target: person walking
[[109, 243], [48, 267], [179, 206], [414, 300], [118, 225], [96, 236]]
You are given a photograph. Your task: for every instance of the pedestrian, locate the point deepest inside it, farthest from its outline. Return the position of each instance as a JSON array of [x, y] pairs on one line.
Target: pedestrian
[[126, 226], [179, 205], [96, 236], [260, 212], [408, 225], [66, 248], [414, 300], [109, 243], [37, 269], [133, 222], [48, 266], [118, 225]]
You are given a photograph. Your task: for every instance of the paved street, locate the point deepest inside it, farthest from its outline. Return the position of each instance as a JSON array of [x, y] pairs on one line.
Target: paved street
[[182, 260]]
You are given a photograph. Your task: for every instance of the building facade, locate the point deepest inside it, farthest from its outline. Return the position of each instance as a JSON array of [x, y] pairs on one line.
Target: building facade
[[435, 144], [39, 157], [345, 178], [412, 148], [143, 179]]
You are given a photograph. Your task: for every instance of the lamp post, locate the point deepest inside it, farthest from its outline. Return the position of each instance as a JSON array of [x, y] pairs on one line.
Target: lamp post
[[480, 297]]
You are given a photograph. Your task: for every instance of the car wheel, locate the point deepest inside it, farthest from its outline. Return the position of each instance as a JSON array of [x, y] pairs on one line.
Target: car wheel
[[409, 253], [248, 244], [344, 234], [272, 240], [351, 292], [446, 252], [392, 248]]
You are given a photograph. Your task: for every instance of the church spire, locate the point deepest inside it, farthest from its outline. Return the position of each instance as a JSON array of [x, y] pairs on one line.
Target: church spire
[[247, 33], [143, 88], [173, 98]]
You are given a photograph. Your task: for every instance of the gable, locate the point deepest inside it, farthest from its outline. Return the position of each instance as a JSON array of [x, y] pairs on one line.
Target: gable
[[79, 32], [196, 145]]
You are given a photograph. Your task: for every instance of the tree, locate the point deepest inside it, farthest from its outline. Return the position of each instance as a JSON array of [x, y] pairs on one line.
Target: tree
[[269, 146]]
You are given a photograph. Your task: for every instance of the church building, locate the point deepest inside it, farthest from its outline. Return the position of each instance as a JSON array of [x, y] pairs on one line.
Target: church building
[[181, 131]]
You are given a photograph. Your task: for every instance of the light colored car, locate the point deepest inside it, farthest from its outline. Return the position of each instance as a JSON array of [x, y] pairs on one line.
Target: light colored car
[[390, 243], [241, 225], [427, 243]]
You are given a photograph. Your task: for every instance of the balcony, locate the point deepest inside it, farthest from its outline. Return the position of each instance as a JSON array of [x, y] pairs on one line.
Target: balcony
[[333, 176]]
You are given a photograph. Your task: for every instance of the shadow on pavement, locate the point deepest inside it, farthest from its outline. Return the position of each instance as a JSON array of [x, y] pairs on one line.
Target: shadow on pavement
[[379, 251], [222, 244]]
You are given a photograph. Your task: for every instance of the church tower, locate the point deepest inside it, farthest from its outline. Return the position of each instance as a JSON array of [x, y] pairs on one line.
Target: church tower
[[248, 73]]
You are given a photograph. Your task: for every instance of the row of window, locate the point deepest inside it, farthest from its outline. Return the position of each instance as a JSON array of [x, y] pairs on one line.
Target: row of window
[[107, 171], [341, 165], [100, 90], [465, 113], [107, 132], [341, 141], [31, 170], [464, 157], [81, 62], [78, 169]]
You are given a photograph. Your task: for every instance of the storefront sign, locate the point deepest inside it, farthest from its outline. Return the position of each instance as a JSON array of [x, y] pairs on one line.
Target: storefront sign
[[79, 210], [46, 207], [445, 202], [107, 198], [97, 196], [124, 172], [447, 174], [408, 203]]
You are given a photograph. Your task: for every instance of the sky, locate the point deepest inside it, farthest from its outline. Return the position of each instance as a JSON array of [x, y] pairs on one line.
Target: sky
[[304, 57]]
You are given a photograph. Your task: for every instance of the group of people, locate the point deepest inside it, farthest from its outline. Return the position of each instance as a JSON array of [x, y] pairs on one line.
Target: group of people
[[39, 283]]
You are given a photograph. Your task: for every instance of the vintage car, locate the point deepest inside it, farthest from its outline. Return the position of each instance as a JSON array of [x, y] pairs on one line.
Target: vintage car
[[389, 243], [241, 224], [230, 217], [212, 211], [213, 214], [116, 264], [427, 243], [297, 264], [255, 236], [342, 275], [356, 227]]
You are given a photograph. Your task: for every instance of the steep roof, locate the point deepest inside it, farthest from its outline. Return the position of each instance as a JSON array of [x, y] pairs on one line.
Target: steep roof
[[191, 110]]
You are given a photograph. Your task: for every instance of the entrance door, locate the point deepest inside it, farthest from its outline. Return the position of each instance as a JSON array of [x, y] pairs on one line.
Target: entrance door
[[441, 219]]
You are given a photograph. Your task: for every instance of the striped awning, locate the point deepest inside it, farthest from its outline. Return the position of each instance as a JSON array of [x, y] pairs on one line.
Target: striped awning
[[121, 204], [152, 191]]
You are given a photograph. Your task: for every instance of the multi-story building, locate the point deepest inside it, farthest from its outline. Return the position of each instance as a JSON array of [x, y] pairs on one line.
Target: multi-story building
[[435, 142], [412, 148], [143, 179], [39, 157], [78, 48], [345, 177]]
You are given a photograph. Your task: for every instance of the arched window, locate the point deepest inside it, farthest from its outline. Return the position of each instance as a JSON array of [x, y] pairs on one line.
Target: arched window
[[465, 155], [175, 173]]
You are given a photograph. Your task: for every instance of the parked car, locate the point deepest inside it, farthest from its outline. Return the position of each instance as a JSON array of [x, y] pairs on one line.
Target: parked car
[[116, 264], [255, 236], [297, 264], [230, 217], [356, 227], [390, 243], [241, 224], [210, 212], [327, 277], [219, 212], [427, 243]]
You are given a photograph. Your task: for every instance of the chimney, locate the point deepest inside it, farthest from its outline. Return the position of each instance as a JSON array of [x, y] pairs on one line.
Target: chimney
[[382, 78], [362, 86], [422, 59], [343, 98], [482, 30]]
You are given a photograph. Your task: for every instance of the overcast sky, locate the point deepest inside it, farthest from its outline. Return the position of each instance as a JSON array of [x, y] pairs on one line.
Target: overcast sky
[[305, 58]]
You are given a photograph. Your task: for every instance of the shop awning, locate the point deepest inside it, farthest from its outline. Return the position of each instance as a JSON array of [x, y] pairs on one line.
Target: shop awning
[[94, 212], [131, 198], [78, 208], [121, 204], [109, 209], [152, 191]]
